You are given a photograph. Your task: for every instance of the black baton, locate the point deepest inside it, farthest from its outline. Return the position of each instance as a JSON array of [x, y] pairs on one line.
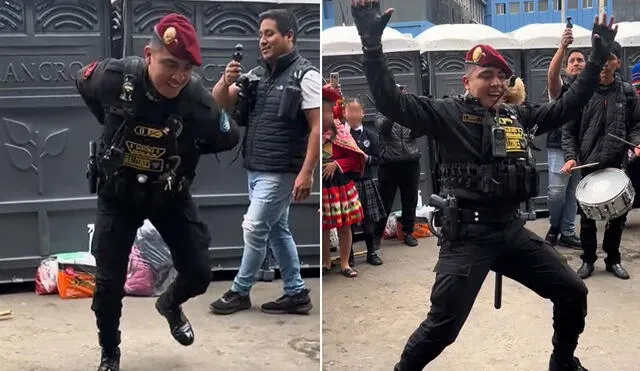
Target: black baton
[[497, 298]]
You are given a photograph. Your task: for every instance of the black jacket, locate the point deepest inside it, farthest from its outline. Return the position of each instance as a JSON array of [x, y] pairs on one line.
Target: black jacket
[[397, 143], [367, 140], [456, 123], [608, 111]]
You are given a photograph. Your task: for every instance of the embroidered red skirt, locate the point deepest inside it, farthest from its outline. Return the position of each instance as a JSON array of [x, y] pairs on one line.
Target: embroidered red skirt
[[340, 203]]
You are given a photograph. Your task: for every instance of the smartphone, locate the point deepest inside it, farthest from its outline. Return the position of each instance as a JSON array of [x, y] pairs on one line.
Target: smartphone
[[569, 24], [334, 79]]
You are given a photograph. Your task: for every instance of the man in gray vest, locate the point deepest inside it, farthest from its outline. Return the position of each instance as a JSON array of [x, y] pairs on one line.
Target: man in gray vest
[[279, 103]]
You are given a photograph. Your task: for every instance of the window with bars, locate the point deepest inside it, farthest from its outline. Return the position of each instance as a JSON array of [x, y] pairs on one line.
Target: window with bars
[[501, 8], [587, 3]]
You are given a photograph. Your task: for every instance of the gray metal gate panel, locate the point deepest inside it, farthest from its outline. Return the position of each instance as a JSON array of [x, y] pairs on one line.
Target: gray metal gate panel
[[44, 200], [45, 208]]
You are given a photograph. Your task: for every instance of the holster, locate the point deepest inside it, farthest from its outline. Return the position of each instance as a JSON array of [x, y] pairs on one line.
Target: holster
[[448, 220], [446, 216]]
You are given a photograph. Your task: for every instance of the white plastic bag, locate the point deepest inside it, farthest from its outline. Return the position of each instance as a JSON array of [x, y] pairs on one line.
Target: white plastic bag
[[333, 238]]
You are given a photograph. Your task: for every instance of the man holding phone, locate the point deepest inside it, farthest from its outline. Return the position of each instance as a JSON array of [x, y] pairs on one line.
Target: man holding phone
[[281, 151]]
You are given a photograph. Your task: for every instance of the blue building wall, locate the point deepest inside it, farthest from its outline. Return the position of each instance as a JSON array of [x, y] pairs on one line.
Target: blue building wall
[[511, 21]]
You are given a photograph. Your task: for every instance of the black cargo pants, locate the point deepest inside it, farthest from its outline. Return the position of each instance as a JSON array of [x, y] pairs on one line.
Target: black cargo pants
[[186, 235], [462, 266]]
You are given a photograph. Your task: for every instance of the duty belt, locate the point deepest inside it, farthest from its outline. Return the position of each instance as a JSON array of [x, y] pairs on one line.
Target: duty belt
[[485, 216]]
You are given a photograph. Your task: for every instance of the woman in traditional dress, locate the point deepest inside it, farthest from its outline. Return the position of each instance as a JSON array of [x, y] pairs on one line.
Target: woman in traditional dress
[[340, 204]]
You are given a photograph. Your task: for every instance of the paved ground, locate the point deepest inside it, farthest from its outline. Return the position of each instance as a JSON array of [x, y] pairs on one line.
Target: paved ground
[[367, 320], [50, 334]]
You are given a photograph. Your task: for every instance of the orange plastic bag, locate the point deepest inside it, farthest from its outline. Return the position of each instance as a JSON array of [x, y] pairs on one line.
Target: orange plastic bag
[[420, 229], [76, 281]]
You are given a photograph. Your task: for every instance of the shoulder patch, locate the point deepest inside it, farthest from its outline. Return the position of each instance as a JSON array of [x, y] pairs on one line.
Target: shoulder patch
[[88, 70]]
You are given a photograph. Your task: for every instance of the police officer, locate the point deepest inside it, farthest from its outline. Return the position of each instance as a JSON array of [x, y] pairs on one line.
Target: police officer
[[486, 172], [157, 120]]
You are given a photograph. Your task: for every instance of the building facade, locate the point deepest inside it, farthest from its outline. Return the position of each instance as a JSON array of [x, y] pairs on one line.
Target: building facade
[[626, 10], [411, 16], [508, 15]]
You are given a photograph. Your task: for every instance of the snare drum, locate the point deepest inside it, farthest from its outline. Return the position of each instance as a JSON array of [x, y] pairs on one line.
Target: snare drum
[[605, 194]]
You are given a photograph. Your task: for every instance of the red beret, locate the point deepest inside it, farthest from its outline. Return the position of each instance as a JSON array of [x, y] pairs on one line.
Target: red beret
[[486, 56], [179, 37], [329, 93]]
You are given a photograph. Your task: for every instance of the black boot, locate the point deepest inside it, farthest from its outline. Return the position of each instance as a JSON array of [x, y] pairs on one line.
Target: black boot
[[570, 365], [179, 325], [110, 358]]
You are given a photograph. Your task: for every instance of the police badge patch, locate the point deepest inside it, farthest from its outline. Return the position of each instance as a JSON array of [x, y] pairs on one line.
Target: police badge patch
[[169, 35]]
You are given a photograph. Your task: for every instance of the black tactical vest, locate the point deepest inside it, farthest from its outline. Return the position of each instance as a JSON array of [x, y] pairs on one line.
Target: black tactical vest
[[485, 178], [135, 149], [273, 143]]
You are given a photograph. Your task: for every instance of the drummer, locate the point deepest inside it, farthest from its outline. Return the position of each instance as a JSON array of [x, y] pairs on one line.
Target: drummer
[[586, 141]]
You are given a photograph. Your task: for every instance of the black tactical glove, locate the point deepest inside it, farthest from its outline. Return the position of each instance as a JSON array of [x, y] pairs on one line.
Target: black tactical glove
[[602, 38], [370, 22]]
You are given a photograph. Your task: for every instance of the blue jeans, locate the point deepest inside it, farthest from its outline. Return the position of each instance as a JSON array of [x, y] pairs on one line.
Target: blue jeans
[[266, 223], [562, 202]]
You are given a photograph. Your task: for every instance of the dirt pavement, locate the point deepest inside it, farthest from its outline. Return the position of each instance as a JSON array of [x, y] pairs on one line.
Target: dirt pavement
[[48, 333], [367, 320]]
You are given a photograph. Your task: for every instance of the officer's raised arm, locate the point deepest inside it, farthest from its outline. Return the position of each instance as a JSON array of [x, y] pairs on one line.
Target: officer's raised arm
[[408, 110], [567, 106]]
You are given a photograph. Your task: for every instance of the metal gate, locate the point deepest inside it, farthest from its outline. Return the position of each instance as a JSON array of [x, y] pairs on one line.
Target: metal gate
[[45, 205]]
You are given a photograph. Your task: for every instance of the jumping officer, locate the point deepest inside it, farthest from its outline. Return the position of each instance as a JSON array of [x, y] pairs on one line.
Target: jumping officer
[[486, 172], [157, 120]]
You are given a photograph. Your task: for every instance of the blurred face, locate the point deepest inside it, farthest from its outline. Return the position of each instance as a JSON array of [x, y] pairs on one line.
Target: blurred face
[[327, 115], [486, 84], [354, 113], [575, 64], [168, 74], [272, 43], [609, 69]]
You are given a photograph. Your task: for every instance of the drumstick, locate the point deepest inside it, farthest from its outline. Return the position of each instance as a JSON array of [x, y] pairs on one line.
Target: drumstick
[[622, 140], [585, 165]]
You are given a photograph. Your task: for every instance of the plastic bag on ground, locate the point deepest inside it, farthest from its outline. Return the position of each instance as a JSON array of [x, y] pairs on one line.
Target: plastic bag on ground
[[47, 277]]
